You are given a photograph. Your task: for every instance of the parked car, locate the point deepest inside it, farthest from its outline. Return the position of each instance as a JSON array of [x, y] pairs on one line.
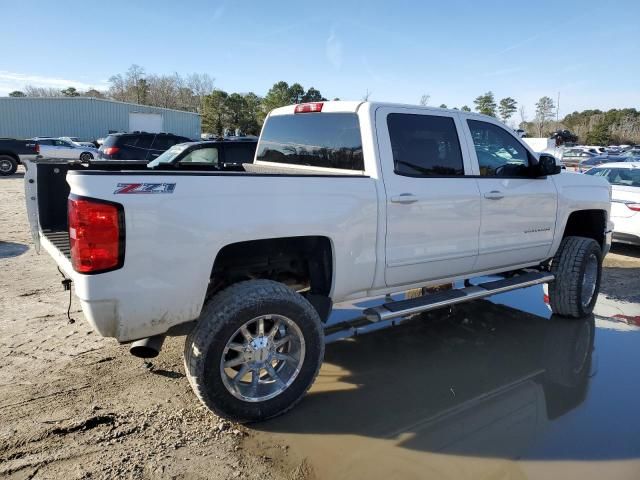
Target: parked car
[[139, 146], [573, 157], [59, 148], [625, 198], [218, 155], [77, 141], [13, 152], [346, 201]]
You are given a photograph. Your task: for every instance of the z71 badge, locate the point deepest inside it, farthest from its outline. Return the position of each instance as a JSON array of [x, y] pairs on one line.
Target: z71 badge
[[145, 188]]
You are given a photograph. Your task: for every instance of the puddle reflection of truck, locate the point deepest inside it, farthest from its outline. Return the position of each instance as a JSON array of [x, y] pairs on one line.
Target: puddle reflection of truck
[[345, 201]]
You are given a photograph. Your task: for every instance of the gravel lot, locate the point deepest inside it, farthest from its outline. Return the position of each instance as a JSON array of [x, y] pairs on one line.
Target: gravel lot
[[74, 405]]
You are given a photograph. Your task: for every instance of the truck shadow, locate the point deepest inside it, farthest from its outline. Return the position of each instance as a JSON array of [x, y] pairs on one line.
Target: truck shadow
[[483, 380]]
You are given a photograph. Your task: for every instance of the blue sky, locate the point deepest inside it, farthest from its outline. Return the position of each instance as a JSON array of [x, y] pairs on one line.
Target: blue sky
[[451, 50]]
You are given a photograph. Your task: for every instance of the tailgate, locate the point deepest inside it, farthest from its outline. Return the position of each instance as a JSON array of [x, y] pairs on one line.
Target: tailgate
[[31, 197]]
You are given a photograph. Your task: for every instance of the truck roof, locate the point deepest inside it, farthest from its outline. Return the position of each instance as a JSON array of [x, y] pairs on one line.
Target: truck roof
[[347, 106]]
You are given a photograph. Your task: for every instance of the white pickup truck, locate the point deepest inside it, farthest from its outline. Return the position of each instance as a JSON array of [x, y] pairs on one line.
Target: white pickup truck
[[345, 201]]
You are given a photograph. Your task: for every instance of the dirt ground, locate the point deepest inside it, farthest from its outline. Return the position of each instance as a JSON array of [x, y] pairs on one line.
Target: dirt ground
[[74, 405]]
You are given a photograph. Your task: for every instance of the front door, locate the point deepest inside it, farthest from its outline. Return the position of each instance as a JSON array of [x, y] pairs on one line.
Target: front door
[[518, 211], [432, 209]]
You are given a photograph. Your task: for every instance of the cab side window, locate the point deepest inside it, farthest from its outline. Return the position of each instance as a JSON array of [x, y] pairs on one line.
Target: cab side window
[[202, 155], [499, 153], [424, 145]]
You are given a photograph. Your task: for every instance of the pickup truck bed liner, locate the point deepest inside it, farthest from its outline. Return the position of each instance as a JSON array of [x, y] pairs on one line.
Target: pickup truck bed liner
[[60, 240]]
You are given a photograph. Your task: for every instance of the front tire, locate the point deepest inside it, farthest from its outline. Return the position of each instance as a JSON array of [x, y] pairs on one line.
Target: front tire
[[255, 351], [577, 267], [86, 156], [8, 165]]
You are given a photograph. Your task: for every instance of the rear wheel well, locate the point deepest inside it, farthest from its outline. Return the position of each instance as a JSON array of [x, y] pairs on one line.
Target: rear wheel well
[[587, 223], [10, 154], [303, 263]]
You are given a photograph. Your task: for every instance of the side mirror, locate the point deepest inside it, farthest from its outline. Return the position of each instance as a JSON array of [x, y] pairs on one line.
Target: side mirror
[[547, 166]]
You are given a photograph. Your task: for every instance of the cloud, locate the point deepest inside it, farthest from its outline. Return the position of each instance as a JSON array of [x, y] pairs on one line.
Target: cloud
[[10, 81], [334, 51]]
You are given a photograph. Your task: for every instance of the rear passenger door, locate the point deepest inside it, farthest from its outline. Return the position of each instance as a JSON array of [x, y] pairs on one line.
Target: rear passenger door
[[518, 210], [432, 209]]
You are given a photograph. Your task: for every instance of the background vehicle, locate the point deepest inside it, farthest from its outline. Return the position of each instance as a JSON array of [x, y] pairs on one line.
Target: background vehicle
[[625, 199], [345, 201], [219, 155], [58, 148], [77, 141], [13, 152], [138, 145]]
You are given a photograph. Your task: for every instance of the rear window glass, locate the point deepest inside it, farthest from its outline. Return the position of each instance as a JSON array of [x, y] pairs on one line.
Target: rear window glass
[[238, 153], [424, 145], [163, 142], [329, 140], [110, 141]]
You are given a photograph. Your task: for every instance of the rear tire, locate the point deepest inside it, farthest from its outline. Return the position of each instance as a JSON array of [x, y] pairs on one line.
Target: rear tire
[[238, 359], [577, 267], [8, 165], [86, 156]]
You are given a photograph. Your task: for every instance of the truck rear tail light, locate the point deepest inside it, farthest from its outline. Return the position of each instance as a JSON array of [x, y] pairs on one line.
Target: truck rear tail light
[[308, 107], [96, 234], [633, 206], [38, 148], [111, 150]]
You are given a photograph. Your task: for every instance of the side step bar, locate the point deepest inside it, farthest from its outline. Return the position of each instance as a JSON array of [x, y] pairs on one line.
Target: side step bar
[[402, 308]]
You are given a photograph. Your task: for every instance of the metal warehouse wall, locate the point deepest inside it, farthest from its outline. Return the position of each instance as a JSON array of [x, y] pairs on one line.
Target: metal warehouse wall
[[87, 118]]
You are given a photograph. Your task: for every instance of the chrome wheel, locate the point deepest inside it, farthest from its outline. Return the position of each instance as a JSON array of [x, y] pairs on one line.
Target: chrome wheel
[[262, 358], [5, 166], [589, 279]]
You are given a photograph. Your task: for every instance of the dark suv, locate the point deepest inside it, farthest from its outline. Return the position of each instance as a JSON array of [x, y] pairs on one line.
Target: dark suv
[[140, 146]]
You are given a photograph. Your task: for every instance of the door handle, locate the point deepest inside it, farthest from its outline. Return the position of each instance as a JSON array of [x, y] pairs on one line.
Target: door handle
[[494, 195], [404, 198]]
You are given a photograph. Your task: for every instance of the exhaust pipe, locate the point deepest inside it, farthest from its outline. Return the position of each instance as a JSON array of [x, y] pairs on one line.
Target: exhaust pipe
[[147, 347]]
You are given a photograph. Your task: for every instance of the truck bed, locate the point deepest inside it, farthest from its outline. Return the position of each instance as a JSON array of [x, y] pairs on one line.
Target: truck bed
[[59, 239]]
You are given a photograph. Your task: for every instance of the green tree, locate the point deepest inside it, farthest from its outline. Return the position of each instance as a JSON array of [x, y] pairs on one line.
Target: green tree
[[17, 93], [442, 105], [92, 92], [465, 108], [507, 108], [544, 112], [215, 112], [599, 135], [486, 104], [313, 95], [278, 96], [70, 92]]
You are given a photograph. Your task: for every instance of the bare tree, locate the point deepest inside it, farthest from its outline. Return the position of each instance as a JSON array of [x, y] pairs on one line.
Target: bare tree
[[424, 100], [544, 112], [366, 96], [523, 114], [31, 91]]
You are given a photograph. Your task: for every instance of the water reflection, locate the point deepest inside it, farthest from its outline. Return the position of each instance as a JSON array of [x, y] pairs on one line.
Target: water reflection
[[481, 382]]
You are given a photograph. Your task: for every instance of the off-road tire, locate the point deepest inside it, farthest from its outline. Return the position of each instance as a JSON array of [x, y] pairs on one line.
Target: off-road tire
[[568, 267], [11, 163], [220, 318]]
